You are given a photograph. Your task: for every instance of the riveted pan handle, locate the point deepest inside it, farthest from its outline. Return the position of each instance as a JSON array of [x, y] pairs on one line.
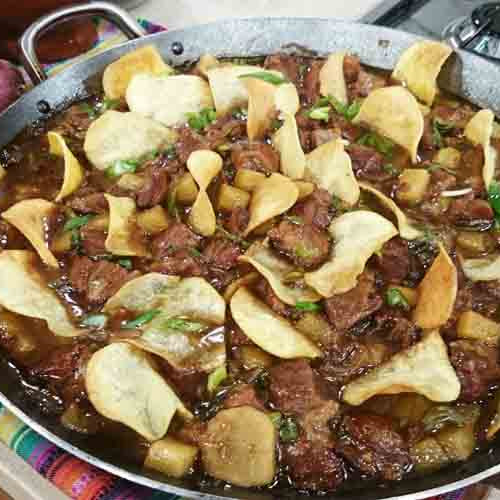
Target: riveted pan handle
[[109, 11]]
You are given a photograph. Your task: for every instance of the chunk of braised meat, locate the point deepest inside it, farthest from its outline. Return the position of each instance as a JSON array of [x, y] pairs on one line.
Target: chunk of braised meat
[[63, 370], [490, 288], [192, 432], [183, 262], [394, 260], [188, 141], [313, 467], [155, 187], [316, 209], [263, 288], [304, 244], [93, 203], [223, 129], [474, 214], [237, 220], [293, 387], [317, 423], [257, 156], [459, 116], [75, 123], [189, 385], [395, 329], [97, 281], [367, 163], [221, 253], [440, 181], [345, 310], [285, 64], [352, 68], [237, 337], [365, 83], [176, 237], [371, 444], [321, 136], [471, 167], [477, 367], [93, 241], [310, 90], [244, 395], [10, 237]]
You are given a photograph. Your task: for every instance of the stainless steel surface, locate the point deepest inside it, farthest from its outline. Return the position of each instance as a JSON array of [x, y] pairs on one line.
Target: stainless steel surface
[[27, 43], [474, 78]]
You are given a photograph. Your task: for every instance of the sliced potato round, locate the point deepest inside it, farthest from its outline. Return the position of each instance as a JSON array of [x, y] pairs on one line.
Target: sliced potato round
[[419, 66], [271, 332], [73, 172], [124, 386], [168, 99], [118, 74], [30, 218], [394, 113], [331, 78], [171, 457], [239, 447]]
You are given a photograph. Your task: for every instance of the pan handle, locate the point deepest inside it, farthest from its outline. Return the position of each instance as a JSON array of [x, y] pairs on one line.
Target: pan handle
[[109, 11]]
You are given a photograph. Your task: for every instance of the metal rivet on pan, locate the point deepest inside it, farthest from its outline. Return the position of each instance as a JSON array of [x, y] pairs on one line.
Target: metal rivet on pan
[[43, 107], [177, 48]]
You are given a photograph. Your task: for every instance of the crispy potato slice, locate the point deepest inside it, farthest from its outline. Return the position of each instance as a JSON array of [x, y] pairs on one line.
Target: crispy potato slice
[[227, 88], [271, 332], [123, 385], [168, 99], [394, 113], [124, 235], [479, 131], [30, 217], [331, 78], [424, 369], [231, 453], [118, 74], [24, 291], [482, 269], [73, 172], [273, 196], [437, 293], [357, 236], [406, 230], [276, 270], [124, 136], [245, 280], [205, 63], [286, 141], [171, 457], [203, 165], [305, 188], [419, 67], [329, 166], [472, 325], [191, 300]]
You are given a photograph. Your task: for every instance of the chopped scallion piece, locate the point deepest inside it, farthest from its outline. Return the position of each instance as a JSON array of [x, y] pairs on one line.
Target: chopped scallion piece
[[216, 378], [381, 144], [322, 113], [142, 319], [239, 114], [267, 76], [288, 430], [95, 321], [121, 167], [199, 121], [194, 252], [276, 418], [77, 222], [396, 299], [126, 263], [109, 104], [233, 237], [87, 108], [183, 325], [308, 306], [349, 111]]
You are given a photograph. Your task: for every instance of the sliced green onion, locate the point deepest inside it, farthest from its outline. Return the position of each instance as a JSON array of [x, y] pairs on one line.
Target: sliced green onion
[[121, 167], [276, 418], [216, 378], [294, 219], [288, 430], [308, 306], [141, 319], [199, 121], [126, 263], [171, 205], [183, 325], [322, 113], [439, 416], [494, 197], [194, 252], [390, 169], [87, 108], [303, 252], [239, 114], [396, 299], [109, 104], [77, 222], [349, 111], [95, 321], [381, 144], [76, 239], [267, 76], [233, 237]]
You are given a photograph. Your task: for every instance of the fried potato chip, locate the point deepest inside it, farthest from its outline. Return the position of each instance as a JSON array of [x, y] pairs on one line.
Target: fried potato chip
[[424, 369], [357, 236], [276, 271], [265, 100], [482, 269], [24, 291], [394, 113], [271, 332], [286, 141], [118, 74], [329, 166], [124, 235], [205, 63], [331, 78], [30, 218], [273, 196], [168, 99], [406, 230], [232, 288], [203, 165], [124, 136], [419, 66], [182, 332], [228, 90], [479, 131], [437, 293], [73, 172], [123, 385]]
